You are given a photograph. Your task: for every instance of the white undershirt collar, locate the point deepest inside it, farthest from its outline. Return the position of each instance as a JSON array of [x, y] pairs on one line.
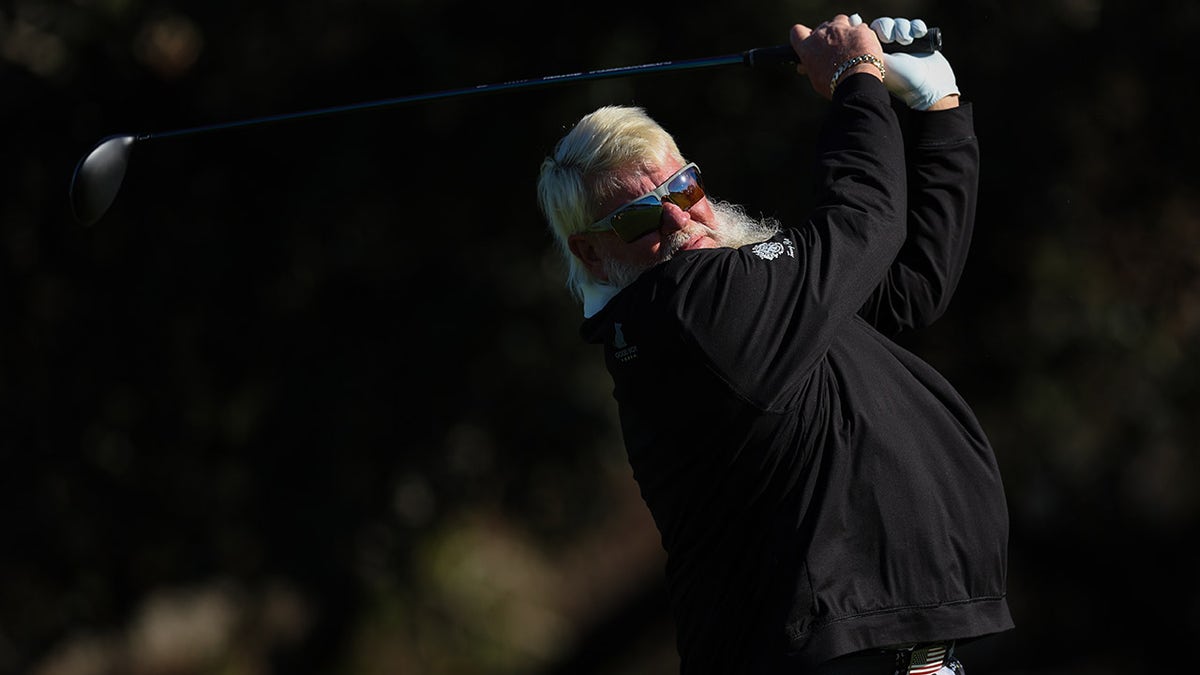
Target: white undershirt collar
[[596, 295]]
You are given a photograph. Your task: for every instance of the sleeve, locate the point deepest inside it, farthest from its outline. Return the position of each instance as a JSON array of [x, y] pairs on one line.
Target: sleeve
[[765, 314], [943, 180]]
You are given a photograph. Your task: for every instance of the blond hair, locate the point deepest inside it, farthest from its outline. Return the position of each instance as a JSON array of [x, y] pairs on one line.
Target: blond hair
[[581, 173]]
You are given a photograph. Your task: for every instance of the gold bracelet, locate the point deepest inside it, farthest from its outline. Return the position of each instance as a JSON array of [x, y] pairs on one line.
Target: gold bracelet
[[861, 58]]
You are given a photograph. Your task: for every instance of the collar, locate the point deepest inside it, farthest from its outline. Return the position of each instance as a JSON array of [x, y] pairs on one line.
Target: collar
[[596, 295]]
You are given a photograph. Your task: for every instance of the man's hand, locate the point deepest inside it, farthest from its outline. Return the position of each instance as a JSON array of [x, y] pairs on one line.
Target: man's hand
[[822, 50], [922, 81]]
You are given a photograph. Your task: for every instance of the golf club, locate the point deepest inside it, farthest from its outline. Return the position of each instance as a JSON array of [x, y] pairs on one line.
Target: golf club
[[98, 176]]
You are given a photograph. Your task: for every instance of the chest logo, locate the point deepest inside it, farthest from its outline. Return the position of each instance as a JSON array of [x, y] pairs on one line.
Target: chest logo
[[625, 352], [770, 250]]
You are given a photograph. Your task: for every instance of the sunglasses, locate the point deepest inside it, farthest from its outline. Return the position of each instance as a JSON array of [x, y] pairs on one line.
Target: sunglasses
[[644, 214]]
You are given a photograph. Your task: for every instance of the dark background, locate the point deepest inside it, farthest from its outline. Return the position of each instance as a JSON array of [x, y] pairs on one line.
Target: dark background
[[310, 398]]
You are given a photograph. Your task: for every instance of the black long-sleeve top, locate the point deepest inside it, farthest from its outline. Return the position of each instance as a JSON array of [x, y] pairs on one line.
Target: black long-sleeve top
[[819, 489]]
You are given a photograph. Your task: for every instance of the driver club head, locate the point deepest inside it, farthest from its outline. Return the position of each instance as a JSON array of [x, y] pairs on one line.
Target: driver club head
[[98, 178]]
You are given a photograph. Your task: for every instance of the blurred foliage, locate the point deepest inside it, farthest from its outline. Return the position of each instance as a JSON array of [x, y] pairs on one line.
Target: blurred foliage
[[311, 398]]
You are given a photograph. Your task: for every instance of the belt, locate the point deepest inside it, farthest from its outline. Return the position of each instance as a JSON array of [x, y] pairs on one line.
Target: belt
[[922, 659]]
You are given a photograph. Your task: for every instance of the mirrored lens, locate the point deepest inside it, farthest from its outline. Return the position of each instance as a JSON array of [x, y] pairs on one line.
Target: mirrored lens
[[635, 220], [686, 189]]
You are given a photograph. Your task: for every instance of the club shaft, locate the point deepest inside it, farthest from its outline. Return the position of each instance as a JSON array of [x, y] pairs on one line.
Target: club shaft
[[662, 66], [759, 57]]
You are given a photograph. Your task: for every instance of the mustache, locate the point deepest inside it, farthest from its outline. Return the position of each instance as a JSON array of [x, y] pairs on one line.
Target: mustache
[[674, 242]]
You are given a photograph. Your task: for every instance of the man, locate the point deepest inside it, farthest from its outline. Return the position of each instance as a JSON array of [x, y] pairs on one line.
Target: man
[[827, 501]]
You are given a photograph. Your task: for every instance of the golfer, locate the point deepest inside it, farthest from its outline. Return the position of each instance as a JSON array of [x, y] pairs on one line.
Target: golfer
[[827, 501]]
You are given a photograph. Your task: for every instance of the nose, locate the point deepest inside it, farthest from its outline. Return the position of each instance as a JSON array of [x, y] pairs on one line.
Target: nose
[[673, 218]]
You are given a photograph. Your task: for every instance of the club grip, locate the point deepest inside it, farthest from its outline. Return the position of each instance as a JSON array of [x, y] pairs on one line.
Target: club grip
[[783, 54]]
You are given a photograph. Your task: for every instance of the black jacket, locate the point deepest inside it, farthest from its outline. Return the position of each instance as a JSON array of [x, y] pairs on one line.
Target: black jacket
[[819, 489]]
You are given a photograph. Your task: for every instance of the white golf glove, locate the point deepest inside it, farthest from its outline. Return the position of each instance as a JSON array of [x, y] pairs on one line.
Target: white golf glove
[[920, 80]]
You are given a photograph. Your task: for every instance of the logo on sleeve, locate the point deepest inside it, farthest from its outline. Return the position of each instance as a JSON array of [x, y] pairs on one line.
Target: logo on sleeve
[[625, 352], [770, 250]]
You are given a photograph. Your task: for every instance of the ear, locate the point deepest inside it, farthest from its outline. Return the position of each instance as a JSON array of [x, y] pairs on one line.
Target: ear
[[584, 248]]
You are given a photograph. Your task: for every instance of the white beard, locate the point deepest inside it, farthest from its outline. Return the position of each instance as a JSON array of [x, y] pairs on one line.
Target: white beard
[[734, 229]]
